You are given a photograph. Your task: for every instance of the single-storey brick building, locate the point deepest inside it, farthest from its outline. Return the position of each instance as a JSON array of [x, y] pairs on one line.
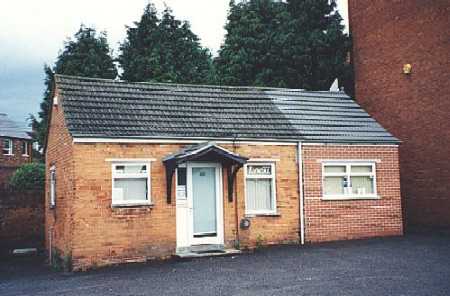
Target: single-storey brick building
[[137, 171]]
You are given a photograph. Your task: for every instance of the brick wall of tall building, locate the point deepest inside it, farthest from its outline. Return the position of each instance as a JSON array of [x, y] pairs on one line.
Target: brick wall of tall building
[[416, 107]]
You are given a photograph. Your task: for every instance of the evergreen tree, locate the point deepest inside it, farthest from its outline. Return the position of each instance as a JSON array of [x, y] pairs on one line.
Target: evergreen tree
[[317, 46], [298, 44], [251, 53], [163, 50], [87, 54]]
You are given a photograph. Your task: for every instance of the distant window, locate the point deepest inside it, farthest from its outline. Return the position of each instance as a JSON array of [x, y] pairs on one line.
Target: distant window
[[7, 147], [349, 180], [52, 187], [130, 183], [260, 197], [25, 148]]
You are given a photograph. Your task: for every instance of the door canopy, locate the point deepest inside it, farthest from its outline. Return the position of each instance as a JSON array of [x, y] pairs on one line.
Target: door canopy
[[204, 152]]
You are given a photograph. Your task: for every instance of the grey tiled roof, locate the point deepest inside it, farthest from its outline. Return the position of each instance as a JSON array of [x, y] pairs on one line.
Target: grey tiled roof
[[11, 129], [117, 109]]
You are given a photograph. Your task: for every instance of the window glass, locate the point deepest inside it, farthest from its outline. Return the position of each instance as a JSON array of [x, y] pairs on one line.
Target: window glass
[[260, 189], [7, 146], [131, 189], [131, 169], [361, 169], [181, 177], [130, 183], [259, 195], [352, 180], [334, 185], [24, 148], [335, 169], [362, 185]]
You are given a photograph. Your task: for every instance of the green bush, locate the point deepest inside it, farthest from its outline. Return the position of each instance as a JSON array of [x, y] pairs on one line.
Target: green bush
[[29, 176]]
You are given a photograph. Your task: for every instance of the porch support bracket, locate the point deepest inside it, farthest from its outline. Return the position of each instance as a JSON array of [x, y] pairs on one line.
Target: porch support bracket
[[231, 173]]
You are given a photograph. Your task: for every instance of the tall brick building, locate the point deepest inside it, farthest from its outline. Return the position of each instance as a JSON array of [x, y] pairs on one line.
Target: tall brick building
[[390, 39]]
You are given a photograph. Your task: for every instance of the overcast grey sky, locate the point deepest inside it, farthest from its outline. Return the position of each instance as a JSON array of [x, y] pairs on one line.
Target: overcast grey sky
[[32, 32]]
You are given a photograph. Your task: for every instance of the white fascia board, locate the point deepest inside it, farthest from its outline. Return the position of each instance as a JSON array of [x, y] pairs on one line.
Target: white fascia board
[[183, 141]]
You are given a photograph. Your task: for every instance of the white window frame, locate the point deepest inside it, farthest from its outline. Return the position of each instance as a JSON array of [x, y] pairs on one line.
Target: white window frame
[[10, 148], [27, 152], [52, 186], [115, 175], [348, 174], [274, 188]]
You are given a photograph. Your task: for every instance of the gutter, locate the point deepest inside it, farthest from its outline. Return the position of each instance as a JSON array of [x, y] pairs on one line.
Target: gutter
[[301, 193]]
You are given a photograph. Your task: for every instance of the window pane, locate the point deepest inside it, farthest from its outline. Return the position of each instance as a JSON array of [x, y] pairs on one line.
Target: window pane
[[261, 170], [334, 169], [131, 169], [259, 195], [361, 169], [24, 148], [362, 185], [7, 146], [181, 177], [334, 185], [131, 189]]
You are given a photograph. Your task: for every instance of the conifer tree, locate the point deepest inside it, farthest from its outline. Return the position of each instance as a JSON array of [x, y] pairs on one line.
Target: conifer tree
[[296, 44], [163, 50], [86, 54]]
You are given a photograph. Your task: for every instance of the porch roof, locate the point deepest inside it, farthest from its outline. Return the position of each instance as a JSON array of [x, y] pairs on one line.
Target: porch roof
[[208, 151]]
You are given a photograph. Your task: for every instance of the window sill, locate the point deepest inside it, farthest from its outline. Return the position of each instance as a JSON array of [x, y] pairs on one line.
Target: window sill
[[255, 215], [337, 198], [132, 205]]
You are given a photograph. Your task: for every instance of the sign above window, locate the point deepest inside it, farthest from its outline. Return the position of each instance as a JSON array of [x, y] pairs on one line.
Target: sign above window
[[259, 170]]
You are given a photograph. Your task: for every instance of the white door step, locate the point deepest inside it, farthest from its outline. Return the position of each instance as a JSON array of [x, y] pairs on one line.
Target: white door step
[[217, 253]]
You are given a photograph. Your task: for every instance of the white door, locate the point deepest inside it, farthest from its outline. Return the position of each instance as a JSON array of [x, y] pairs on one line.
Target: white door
[[205, 202]]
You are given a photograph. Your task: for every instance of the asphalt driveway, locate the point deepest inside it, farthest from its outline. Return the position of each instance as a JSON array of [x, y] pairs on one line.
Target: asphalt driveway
[[411, 265]]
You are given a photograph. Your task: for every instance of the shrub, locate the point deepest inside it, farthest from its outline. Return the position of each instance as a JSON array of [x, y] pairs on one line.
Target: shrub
[[29, 176]]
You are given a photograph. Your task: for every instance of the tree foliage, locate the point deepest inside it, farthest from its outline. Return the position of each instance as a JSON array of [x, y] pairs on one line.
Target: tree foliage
[[163, 49], [29, 176], [86, 54], [297, 44]]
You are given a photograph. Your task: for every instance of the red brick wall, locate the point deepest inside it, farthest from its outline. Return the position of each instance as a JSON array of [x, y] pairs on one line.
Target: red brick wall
[[9, 163], [328, 220], [59, 221], [21, 219], [415, 108]]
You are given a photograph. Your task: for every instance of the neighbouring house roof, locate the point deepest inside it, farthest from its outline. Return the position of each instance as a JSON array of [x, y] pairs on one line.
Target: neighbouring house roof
[[11, 129], [101, 108]]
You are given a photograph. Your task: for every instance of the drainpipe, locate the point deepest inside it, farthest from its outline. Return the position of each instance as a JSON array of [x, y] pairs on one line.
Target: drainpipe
[[236, 204], [300, 191]]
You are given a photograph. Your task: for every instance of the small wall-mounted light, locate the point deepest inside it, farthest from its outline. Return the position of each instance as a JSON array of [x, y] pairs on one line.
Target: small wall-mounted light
[[55, 101], [407, 69]]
